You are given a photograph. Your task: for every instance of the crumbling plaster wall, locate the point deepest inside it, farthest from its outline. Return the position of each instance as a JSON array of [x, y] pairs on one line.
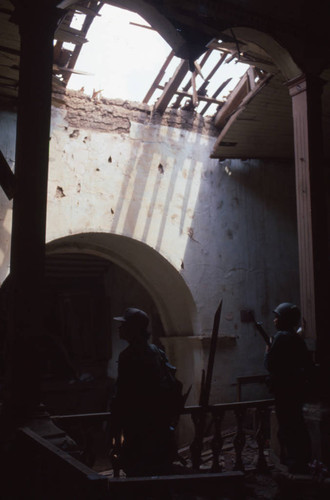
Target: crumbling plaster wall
[[227, 228]]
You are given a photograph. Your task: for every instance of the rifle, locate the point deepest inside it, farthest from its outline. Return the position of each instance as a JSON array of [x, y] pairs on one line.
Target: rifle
[[260, 329], [197, 444]]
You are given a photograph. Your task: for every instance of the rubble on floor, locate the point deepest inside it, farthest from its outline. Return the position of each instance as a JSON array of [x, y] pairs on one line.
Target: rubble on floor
[[274, 484]]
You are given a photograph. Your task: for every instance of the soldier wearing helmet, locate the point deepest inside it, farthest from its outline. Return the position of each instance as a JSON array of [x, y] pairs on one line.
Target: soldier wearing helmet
[[138, 411], [289, 364]]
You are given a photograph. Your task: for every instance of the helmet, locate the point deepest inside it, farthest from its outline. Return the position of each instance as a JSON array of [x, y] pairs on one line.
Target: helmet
[[134, 316], [288, 313]]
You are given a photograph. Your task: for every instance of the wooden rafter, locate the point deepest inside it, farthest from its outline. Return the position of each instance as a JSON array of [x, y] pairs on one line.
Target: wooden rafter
[[64, 58], [158, 78], [176, 104], [246, 89], [172, 86], [203, 98], [214, 96]]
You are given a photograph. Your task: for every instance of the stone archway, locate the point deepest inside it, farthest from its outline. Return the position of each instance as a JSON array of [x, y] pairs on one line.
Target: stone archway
[[166, 286]]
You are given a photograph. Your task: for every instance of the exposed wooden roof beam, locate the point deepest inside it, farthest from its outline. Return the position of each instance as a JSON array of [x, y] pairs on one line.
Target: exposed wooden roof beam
[[188, 85], [242, 93], [234, 100], [215, 95], [236, 103], [172, 86], [204, 98], [84, 10], [158, 78], [71, 35]]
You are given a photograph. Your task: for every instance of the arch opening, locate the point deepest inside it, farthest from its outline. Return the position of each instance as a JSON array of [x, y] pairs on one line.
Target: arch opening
[[164, 284]]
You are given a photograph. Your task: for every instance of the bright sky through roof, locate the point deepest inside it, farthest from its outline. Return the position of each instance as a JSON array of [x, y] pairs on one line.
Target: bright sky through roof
[[124, 59]]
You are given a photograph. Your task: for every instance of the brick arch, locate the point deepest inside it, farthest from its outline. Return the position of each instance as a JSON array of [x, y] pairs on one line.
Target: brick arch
[[164, 283]]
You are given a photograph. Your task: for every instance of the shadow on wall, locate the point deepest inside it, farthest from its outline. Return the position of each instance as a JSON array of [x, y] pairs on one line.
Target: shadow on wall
[[250, 259], [158, 192]]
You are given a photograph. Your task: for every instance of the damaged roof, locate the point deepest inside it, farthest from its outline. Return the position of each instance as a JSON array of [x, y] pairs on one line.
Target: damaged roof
[[254, 120]]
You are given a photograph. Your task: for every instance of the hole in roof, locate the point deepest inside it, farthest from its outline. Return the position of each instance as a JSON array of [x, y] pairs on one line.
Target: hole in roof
[[123, 59]]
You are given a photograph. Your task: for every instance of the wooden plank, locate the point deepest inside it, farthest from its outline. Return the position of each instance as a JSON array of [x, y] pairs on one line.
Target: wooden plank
[[216, 93], [216, 67], [86, 25], [142, 26], [58, 69], [84, 10], [194, 94], [158, 77], [9, 50], [240, 97], [172, 86], [210, 100], [234, 100], [176, 104], [70, 35]]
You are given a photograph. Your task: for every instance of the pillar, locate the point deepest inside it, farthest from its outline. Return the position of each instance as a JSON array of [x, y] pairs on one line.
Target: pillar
[[311, 192], [311, 203], [37, 23]]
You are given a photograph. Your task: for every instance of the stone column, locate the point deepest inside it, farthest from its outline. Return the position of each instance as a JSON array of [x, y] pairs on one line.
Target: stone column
[[37, 22]]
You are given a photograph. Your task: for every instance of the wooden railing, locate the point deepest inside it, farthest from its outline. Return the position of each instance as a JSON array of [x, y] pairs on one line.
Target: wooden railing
[[217, 414], [47, 471], [239, 409]]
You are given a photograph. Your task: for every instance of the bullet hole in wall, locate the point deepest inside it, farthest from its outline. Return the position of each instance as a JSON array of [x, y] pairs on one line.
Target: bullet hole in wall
[[190, 232], [59, 192], [160, 168], [112, 211], [78, 187], [110, 159], [97, 169], [74, 134]]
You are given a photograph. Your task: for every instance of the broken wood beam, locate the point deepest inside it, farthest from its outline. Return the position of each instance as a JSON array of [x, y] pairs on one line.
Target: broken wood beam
[[84, 10], [207, 54], [210, 100], [194, 94], [215, 95], [235, 105], [142, 26], [234, 100], [70, 35], [244, 91], [172, 86], [216, 67], [158, 78]]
